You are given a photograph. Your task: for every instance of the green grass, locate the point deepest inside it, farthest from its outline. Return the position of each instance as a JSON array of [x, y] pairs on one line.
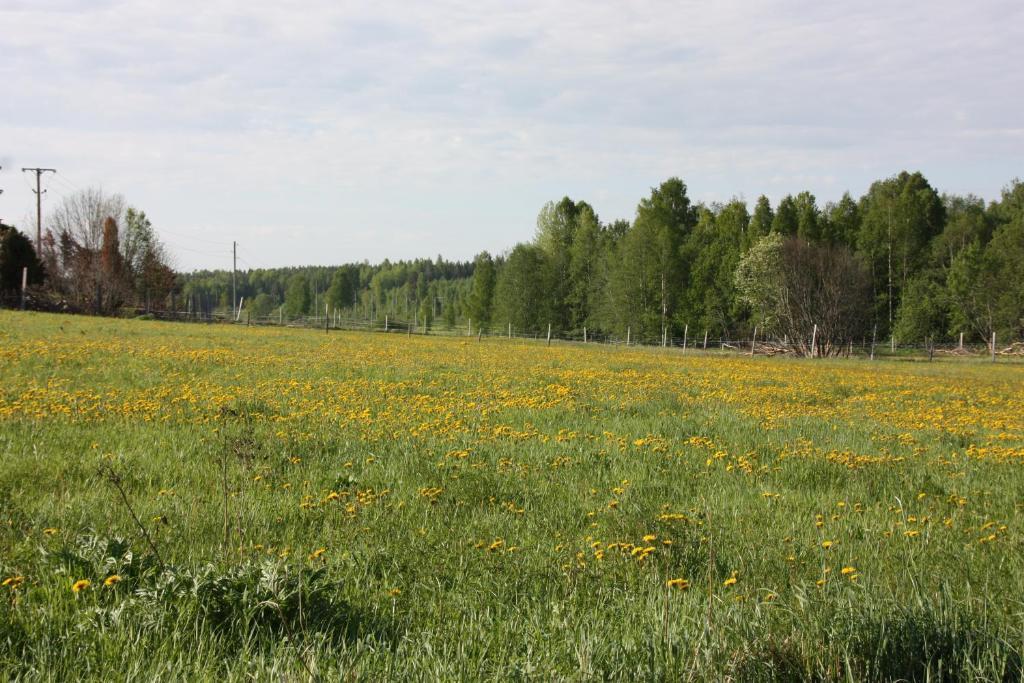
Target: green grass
[[240, 448]]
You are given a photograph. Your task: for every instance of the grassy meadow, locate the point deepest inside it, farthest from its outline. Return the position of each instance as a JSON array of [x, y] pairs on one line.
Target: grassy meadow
[[369, 507]]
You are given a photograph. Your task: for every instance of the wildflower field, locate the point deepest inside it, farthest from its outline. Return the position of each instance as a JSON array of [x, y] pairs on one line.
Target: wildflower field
[[228, 503]]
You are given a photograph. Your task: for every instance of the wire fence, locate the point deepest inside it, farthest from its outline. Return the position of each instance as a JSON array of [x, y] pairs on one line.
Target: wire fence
[[701, 342]]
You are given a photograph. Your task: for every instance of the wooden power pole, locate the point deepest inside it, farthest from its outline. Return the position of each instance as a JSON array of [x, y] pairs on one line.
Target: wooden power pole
[[234, 267], [39, 203]]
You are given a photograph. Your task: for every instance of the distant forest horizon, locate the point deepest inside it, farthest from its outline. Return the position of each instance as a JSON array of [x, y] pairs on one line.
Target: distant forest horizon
[[902, 260]]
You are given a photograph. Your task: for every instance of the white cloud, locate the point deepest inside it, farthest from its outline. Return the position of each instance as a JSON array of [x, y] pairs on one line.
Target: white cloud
[[408, 129]]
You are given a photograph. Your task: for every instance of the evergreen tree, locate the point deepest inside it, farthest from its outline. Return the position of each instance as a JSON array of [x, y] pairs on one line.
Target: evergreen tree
[[16, 253], [297, 300], [481, 299], [523, 293], [843, 222], [808, 223], [585, 270], [760, 223], [787, 219]]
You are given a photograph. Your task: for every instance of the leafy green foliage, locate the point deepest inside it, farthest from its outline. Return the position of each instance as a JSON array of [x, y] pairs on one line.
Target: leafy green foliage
[[16, 253], [937, 266]]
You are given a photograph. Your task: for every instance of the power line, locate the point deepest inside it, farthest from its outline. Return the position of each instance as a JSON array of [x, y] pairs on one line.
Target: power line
[[190, 237], [69, 185], [259, 263], [196, 251], [67, 180]]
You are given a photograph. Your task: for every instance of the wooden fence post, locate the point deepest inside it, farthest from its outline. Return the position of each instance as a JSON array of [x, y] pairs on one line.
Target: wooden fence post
[[549, 334], [686, 334], [874, 332], [993, 346], [753, 342], [814, 342], [584, 334], [705, 340], [628, 330]]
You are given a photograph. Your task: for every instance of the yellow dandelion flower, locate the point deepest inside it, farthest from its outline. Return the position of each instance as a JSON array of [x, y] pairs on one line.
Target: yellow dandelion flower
[[847, 570], [111, 580], [51, 531], [395, 592], [317, 553], [649, 537], [827, 544], [731, 581], [80, 585], [681, 584], [13, 582]]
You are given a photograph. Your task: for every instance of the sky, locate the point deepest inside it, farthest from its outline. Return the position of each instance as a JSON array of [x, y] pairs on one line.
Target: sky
[[327, 132]]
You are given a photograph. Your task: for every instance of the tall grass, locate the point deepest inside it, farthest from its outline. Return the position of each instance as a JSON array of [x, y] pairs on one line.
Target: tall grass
[[382, 507]]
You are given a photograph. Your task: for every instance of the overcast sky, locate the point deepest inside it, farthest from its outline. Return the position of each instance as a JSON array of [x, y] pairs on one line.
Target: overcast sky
[[326, 132]]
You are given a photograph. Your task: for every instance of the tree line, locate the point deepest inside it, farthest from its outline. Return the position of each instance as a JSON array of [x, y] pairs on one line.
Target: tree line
[[97, 255], [422, 291], [900, 261]]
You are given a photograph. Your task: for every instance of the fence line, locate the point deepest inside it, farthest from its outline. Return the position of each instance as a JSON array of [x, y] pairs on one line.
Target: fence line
[[686, 343]]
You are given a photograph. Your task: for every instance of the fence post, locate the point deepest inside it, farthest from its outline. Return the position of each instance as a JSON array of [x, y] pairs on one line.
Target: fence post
[[469, 330], [386, 322], [24, 285], [874, 332], [510, 330], [753, 342], [686, 334], [549, 334], [993, 346], [628, 331], [961, 341], [814, 342], [584, 334], [705, 340]]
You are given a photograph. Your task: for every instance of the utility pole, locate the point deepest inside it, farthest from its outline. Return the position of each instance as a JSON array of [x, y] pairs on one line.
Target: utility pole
[[234, 267], [39, 202]]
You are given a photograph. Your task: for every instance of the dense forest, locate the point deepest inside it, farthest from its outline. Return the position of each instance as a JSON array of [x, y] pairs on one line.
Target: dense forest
[[902, 260]]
